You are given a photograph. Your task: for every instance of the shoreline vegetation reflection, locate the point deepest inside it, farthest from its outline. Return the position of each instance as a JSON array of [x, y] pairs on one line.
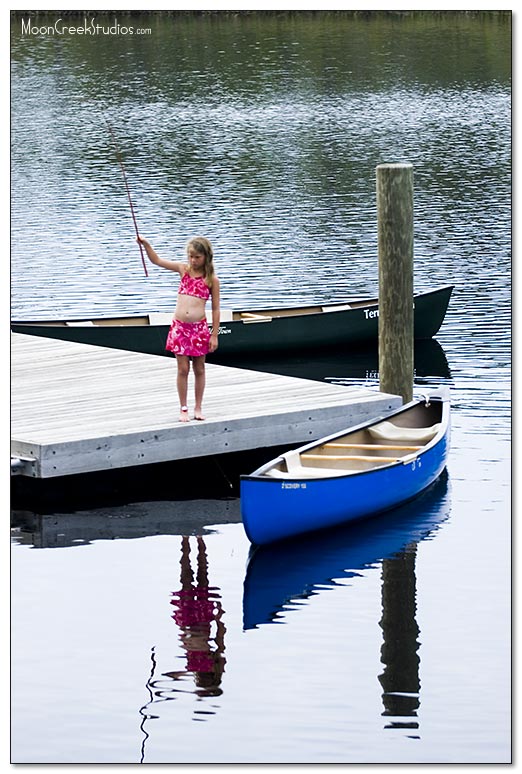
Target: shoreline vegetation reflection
[[274, 12]]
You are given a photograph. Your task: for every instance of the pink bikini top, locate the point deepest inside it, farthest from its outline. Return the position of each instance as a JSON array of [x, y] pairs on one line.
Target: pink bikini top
[[194, 286]]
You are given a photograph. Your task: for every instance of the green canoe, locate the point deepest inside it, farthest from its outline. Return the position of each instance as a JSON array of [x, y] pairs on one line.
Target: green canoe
[[343, 325]]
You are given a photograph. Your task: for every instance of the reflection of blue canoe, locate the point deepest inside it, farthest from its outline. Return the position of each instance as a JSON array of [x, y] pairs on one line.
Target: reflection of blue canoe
[[351, 475], [278, 576]]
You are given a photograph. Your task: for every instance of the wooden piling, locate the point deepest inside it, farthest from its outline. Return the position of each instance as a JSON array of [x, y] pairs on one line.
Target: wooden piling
[[395, 246]]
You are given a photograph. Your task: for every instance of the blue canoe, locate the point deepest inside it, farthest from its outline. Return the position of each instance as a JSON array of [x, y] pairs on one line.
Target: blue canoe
[[353, 474], [278, 580]]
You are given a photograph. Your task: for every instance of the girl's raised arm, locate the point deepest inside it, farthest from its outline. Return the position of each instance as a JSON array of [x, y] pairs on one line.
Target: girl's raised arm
[[155, 259]]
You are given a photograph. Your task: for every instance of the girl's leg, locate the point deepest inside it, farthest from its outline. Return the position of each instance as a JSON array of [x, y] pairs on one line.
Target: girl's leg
[[182, 383], [198, 366]]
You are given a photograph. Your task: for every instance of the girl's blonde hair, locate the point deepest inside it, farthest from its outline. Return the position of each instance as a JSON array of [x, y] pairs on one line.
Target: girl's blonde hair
[[203, 246]]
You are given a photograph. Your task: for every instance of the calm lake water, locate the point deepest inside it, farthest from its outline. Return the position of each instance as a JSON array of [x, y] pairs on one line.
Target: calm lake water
[[385, 643]]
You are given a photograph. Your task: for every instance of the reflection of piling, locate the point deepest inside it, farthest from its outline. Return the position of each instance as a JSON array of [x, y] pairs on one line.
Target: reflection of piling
[[400, 678], [395, 242]]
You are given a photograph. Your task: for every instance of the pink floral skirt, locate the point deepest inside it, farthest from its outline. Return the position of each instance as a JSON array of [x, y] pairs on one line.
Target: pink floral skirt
[[189, 339]]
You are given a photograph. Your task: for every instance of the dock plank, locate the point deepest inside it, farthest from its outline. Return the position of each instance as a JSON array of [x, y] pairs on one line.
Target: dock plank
[[77, 408]]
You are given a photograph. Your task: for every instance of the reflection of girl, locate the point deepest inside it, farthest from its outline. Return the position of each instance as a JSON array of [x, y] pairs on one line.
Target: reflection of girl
[[197, 608]]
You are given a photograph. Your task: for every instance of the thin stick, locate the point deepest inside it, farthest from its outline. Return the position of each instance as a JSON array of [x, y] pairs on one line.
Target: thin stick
[[118, 155]]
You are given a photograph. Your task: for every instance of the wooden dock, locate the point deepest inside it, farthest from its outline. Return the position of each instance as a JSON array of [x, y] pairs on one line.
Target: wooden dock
[[77, 408]]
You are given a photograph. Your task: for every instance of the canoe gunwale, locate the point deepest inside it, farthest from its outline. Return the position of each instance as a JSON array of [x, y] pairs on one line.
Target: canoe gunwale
[[315, 310]]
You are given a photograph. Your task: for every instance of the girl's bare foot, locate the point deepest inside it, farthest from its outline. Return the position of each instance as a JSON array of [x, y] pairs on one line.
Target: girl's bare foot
[[198, 415], [183, 414]]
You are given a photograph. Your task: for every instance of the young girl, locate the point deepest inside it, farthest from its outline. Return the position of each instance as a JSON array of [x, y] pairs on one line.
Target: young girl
[[189, 337]]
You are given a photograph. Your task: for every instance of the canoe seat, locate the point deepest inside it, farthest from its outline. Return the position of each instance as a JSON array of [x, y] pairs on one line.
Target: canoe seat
[[337, 308], [372, 446], [249, 317], [225, 315], [165, 318], [160, 318], [293, 461], [308, 473], [79, 323], [297, 470], [353, 457], [387, 431]]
